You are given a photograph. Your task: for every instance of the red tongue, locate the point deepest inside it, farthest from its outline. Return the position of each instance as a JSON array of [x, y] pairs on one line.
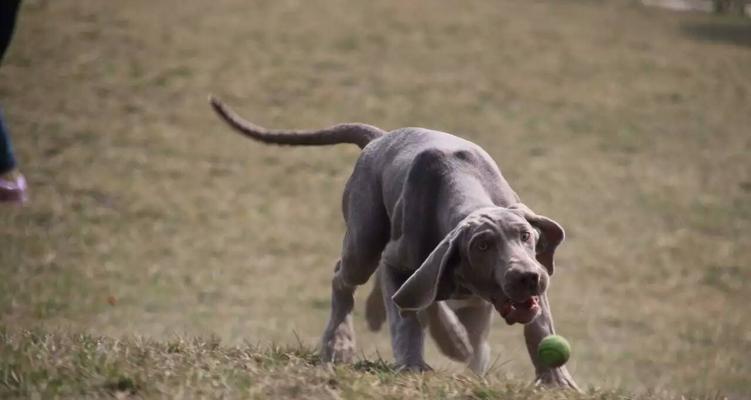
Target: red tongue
[[522, 313]]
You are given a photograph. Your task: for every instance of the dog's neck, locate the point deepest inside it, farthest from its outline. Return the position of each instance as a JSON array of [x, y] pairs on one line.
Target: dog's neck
[[474, 195]]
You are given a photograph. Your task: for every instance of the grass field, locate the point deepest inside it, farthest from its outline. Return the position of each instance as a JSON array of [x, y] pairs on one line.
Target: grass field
[[149, 218]]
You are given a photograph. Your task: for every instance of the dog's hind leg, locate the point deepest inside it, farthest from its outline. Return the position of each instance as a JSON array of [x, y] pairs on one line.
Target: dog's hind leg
[[338, 342], [366, 236]]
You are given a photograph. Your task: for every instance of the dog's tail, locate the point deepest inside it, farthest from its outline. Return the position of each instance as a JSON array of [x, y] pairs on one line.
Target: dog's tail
[[355, 133], [447, 331]]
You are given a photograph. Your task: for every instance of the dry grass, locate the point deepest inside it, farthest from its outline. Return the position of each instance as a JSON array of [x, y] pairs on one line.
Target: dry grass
[[629, 126], [39, 365]]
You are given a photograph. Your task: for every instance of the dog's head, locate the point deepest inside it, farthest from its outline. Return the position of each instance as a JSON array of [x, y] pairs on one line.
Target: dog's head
[[503, 255]]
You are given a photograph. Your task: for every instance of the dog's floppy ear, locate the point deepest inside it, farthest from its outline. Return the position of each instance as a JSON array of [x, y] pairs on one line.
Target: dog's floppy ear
[[420, 290], [551, 235]]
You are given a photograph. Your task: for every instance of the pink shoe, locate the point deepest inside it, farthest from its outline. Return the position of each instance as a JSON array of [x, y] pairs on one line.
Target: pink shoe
[[13, 189]]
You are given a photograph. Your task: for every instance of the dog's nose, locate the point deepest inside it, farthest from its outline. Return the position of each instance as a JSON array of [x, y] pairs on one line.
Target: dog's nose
[[527, 282], [530, 280]]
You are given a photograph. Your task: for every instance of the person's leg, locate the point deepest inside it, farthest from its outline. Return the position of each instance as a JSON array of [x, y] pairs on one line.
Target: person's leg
[[12, 183], [8, 14], [7, 160]]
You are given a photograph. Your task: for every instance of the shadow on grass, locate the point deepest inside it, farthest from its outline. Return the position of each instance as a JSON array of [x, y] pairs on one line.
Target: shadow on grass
[[736, 32]]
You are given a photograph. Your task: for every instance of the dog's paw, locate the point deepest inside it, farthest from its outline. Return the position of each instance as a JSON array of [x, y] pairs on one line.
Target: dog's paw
[[339, 346], [557, 378]]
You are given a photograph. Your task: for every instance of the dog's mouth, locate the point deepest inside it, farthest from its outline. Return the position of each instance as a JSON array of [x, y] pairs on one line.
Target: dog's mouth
[[518, 312]]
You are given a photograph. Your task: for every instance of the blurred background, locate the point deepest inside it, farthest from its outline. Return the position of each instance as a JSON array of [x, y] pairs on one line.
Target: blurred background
[[628, 124]]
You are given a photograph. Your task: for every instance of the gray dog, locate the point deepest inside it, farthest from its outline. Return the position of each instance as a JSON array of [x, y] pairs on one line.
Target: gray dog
[[448, 237]]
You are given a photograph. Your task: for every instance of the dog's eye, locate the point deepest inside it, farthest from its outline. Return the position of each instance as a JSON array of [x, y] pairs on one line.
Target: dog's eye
[[525, 236], [482, 245]]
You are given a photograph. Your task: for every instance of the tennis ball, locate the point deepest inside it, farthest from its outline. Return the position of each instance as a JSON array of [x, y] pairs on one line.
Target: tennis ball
[[553, 351]]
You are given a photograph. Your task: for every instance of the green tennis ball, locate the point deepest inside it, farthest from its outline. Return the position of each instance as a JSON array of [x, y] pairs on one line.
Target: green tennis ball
[[553, 351]]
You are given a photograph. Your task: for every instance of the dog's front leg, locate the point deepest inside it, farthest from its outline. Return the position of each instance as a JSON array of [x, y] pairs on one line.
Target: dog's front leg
[[534, 332], [407, 333]]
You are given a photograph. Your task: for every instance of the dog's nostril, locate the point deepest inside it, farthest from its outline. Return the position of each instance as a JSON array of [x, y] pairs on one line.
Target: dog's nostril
[[530, 280]]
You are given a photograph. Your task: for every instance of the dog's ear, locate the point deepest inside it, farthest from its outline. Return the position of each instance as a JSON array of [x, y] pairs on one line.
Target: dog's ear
[[551, 235], [421, 289]]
